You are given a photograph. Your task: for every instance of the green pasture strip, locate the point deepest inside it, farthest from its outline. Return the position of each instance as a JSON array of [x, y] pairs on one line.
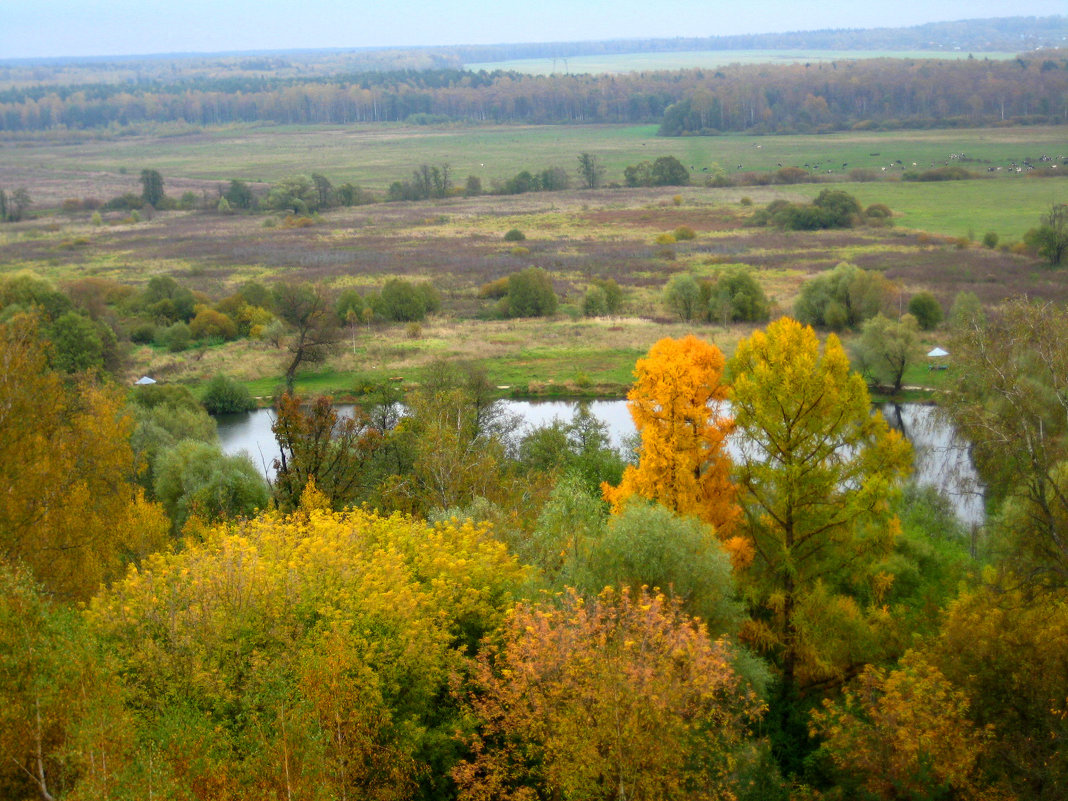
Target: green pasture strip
[[373, 156], [959, 208], [707, 59]]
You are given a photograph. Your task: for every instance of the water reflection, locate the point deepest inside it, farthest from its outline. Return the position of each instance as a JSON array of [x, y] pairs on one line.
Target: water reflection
[[941, 457]]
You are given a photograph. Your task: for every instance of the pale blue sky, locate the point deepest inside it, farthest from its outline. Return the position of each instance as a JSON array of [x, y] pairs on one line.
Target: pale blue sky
[[32, 28]]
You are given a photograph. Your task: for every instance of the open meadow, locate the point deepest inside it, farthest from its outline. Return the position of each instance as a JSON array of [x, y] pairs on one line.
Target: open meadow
[[576, 236], [56, 167]]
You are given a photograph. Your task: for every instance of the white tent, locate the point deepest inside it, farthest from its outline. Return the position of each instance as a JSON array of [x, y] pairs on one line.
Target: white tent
[[937, 353]]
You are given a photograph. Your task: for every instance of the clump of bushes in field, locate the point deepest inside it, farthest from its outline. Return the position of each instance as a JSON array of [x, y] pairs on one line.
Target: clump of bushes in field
[[832, 208], [527, 293], [553, 179], [665, 171], [952, 172], [926, 309], [604, 297], [403, 301], [731, 294], [842, 298]]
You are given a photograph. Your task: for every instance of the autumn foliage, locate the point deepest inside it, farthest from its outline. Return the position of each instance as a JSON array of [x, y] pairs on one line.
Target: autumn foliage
[[900, 733], [290, 655], [676, 404], [68, 508], [623, 696]]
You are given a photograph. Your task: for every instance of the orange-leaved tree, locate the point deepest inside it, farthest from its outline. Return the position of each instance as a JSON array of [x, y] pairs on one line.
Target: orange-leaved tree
[[899, 734], [620, 697], [676, 406]]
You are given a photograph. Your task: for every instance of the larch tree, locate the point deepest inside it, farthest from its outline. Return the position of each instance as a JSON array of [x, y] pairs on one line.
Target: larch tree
[[677, 406], [815, 473]]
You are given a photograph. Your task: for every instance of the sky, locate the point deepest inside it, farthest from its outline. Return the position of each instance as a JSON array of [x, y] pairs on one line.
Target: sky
[[57, 28]]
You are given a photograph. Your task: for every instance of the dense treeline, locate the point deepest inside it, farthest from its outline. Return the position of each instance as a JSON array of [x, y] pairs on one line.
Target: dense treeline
[[756, 98]]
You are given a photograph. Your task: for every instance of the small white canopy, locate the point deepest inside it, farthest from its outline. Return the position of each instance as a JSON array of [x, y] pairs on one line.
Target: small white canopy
[[937, 352], [143, 380]]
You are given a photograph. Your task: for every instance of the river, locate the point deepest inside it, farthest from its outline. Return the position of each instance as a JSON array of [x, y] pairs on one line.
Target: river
[[941, 457]]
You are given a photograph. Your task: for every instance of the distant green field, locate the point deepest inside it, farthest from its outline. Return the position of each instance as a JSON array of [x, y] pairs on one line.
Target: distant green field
[[374, 156], [962, 208], [705, 59]]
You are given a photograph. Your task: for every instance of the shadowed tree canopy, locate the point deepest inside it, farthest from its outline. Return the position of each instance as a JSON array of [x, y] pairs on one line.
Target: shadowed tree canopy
[[318, 445]]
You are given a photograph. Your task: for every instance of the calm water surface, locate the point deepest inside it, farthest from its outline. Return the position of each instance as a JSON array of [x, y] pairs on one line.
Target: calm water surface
[[941, 457]]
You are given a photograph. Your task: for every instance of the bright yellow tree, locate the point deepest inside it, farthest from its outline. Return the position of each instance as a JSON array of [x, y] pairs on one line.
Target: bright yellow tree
[[676, 403], [304, 656]]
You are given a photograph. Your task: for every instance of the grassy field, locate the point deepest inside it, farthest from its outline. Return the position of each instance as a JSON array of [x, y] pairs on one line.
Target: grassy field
[[374, 156], [705, 59], [576, 235], [458, 245]]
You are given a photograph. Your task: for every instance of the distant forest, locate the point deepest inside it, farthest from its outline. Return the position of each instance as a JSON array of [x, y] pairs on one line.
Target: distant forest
[[427, 85], [876, 93], [1008, 34]]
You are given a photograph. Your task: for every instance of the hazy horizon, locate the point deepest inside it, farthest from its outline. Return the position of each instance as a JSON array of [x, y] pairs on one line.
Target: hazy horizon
[[95, 28]]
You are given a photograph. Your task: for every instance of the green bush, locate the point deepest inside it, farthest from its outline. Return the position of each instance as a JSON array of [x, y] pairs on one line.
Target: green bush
[[176, 338], [841, 298], [143, 333], [401, 301], [926, 309], [613, 295], [198, 478], [737, 295], [682, 296], [595, 304], [530, 294], [223, 395]]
